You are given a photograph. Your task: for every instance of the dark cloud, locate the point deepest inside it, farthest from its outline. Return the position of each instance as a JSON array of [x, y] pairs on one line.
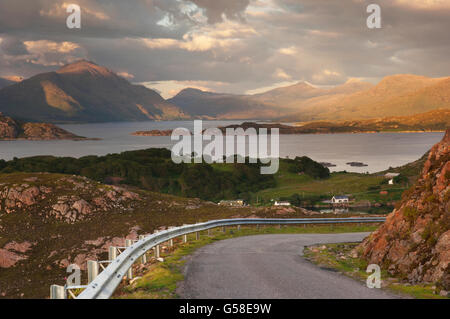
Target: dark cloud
[[13, 46], [215, 9]]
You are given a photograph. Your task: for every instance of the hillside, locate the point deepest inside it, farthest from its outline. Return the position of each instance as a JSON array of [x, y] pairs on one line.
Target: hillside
[[48, 221], [11, 129], [5, 83], [414, 242], [83, 92], [293, 96], [396, 95], [208, 105]]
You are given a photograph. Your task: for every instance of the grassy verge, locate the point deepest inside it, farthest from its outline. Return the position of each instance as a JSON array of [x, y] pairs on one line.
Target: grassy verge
[[159, 279], [341, 258]]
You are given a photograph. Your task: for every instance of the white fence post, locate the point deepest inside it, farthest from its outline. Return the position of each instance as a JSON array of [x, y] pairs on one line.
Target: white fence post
[[57, 292], [143, 258], [112, 253], [158, 252], [128, 243], [171, 240], [92, 269]]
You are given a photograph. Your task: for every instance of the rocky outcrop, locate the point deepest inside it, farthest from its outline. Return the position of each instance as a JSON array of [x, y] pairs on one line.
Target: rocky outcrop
[[66, 198], [11, 129], [14, 252], [414, 242]]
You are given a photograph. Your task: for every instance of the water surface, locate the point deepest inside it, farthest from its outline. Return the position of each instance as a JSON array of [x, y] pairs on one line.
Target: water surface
[[378, 151]]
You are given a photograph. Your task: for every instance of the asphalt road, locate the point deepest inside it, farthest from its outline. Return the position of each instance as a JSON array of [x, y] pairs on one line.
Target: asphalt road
[[269, 266]]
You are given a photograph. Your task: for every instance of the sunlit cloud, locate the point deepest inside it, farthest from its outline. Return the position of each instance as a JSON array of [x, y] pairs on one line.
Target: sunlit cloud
[[280, 74], [425, 4]]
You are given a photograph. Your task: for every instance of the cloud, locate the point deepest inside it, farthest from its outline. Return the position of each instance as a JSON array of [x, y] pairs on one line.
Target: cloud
[[243, 44], [217, 10], [45, 46], [59, 10], [328, 77], [13, 46], [425, 4], [280, 74], [288, 51], [224, 35]]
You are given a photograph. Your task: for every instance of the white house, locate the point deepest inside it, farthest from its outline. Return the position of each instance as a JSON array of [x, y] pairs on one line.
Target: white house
[[391, 181], [339, 200], [277, 203]]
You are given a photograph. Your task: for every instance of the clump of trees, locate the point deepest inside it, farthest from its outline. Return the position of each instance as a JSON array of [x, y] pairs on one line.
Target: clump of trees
[[309, 167], [153, 169]]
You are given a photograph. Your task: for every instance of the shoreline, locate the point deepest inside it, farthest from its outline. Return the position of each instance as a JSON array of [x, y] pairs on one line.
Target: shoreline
[[78, 139], [169, 132]]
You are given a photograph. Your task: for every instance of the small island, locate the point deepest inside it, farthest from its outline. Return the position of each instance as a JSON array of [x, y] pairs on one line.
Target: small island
[[11, 130], [357, 164], [326, 164], [153, 133]]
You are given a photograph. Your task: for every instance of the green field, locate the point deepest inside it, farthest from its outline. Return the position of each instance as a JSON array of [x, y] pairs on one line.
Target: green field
[[363, 187]]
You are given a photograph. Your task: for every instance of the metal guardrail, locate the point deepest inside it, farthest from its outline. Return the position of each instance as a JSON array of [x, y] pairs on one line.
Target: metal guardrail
[[104, 285]]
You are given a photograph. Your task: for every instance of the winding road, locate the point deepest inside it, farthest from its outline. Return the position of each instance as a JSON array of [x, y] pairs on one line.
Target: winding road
[[269, 267]]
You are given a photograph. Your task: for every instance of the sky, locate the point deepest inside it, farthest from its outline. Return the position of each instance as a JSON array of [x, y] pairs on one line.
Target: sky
[[232, 46]]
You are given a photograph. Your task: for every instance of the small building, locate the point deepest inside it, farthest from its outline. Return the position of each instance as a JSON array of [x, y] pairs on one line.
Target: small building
[[232, 203], [277, 203], [391, 181], [339, 200], [391, 175]]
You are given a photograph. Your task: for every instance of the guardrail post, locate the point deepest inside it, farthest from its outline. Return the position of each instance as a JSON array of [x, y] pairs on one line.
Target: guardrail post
[[171, 240], [112, 253], [157, 252], [223, 229], [143, 258], [92, 269], [185, 238], [238, 227], [128, 243], [197, 235], [157, 247], [57, 292], [209, 232]]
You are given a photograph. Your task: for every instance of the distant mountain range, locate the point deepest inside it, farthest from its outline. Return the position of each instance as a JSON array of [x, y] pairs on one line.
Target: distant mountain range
[[397, 95], [86, 92]]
